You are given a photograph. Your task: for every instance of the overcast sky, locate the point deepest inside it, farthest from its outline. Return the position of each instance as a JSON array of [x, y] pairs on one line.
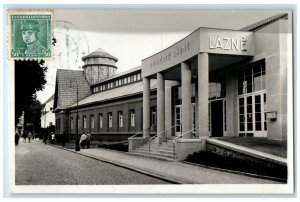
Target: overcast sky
[[132, 35]]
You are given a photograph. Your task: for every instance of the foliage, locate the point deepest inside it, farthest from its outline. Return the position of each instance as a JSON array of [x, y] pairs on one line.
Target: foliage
[[29, 78]]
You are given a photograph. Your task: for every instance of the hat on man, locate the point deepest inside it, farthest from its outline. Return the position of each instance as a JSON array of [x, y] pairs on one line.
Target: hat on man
[[30, 25]]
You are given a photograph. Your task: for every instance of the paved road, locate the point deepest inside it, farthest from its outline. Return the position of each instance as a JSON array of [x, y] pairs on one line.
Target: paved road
[[40, 164]]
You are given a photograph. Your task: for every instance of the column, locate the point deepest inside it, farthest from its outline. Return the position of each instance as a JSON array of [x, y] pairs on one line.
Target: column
[[146, 107], [160, 106], [203, 71], [186, 91]]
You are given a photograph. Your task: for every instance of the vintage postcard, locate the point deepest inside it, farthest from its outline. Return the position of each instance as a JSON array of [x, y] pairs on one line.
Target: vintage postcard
[[151, 101], [30, 34]]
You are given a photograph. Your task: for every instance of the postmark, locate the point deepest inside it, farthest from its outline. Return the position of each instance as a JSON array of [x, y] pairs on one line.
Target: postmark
[[30, 34]]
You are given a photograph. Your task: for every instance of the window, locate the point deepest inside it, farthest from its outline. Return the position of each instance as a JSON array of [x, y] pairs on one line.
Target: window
[[139, 76], [252, 79], [125, 80], [84, 122], [120, 114], [120, 82], [153, 116], [132, 118], [134, 77], [92, 121], [217, 89], [110, 119], [116, 83], [128, 79], [100, 121], [108, 85], [71, 123]]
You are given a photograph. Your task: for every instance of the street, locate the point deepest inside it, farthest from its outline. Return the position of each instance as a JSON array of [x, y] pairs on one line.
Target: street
[[40, 164]]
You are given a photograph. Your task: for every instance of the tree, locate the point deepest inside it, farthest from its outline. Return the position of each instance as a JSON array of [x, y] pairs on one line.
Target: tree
[[33, 116], [29, 78]]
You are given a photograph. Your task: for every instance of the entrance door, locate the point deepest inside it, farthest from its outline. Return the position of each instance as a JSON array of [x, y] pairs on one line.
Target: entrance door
[[217, 118], [252, 119], [178, 120]]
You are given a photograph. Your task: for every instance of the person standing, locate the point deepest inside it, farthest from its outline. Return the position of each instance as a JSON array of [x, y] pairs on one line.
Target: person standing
[[24, 136], [45, 138], [82, 140], [29, 136], [17, 137], [88, 139]]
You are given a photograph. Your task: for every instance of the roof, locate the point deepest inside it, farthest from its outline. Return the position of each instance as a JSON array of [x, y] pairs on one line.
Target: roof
[[99, 53], [123, 91], [120, 92], [258, 25], [66, 85], [120, 74]]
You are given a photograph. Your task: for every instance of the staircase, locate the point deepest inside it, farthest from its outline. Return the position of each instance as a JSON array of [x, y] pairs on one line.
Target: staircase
[[159, 151]]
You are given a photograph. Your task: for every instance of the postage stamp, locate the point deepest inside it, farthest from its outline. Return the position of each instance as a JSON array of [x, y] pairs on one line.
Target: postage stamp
[[30, 34]]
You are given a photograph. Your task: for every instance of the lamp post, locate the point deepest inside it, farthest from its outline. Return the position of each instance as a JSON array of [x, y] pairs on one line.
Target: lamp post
[[77, 148]]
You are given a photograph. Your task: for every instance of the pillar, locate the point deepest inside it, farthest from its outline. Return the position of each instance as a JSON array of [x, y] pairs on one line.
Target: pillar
[[160, 106], [203, 72], [146, 107], [186, 91]]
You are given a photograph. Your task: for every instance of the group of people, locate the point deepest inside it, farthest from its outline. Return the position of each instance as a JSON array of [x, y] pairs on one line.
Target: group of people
[[26, 135], [85, 139]]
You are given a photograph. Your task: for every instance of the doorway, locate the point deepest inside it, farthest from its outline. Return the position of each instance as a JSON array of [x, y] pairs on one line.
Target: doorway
[[217, 127]]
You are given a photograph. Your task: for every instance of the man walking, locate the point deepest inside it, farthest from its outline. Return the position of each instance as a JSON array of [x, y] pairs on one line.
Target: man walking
[[88, 139]]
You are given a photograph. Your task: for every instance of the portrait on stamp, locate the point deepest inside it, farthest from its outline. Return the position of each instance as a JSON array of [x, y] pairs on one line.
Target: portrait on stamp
[[30, 35]]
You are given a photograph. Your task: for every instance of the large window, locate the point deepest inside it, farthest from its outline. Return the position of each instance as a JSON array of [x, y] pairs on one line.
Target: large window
[[132, 118], [100, 121], [252, 79], [153, 116], [217, 88], [84, 122], [110, 119], [71, 123], [120, 114], [92, 121]]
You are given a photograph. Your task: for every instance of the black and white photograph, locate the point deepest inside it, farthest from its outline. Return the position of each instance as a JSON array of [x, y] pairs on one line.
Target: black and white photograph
[[195, 101]]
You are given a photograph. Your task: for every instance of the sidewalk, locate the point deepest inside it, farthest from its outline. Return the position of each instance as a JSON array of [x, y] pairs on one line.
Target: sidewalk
[[174, 171]]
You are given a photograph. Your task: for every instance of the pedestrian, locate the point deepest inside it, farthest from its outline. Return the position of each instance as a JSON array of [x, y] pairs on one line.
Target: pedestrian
[[82, 140], [24, 136], [52, 136], [64, 139], [29, 136], [88, 139], [45, 138], [17, 137]]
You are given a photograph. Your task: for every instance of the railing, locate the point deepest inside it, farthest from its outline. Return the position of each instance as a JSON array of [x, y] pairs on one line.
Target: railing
[[142, 132], [180, 136], [152, 138]]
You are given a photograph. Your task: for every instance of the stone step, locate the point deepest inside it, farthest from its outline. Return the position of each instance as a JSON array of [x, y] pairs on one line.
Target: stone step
[[154, 154], [158, 148], [169, 152]]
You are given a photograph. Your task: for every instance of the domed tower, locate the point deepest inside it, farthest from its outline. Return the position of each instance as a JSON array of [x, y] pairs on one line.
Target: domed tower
[[99, 65]]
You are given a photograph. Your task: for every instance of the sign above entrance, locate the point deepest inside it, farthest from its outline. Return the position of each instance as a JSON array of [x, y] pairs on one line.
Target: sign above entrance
[[226, 42]]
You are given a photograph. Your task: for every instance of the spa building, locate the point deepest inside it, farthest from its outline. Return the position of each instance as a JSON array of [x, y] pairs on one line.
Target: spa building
[[212, 83]]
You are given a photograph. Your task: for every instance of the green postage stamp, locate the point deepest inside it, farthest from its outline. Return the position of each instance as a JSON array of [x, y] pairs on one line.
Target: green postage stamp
[[30, 34]]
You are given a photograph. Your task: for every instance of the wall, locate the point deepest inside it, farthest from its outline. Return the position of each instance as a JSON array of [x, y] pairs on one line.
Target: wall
[[271, 43]]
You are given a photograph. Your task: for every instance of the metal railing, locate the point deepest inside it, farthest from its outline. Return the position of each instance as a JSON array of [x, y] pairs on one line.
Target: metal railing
[[152, 138], [180, 136], [142, 132]]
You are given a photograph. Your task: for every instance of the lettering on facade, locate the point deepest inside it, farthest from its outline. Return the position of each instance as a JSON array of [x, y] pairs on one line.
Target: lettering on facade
[[227, 43], [177, 52]]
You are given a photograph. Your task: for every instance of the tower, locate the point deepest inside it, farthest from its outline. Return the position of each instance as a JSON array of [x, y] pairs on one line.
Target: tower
[[98, 66]]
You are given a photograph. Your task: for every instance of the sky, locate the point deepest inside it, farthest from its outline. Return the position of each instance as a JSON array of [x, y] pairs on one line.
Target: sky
[[131, 35]]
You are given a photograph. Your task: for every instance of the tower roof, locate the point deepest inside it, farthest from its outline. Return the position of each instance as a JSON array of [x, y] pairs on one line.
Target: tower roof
[[99, 53]]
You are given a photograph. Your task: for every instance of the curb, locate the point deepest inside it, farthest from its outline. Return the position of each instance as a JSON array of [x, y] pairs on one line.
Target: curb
[[139, 170]]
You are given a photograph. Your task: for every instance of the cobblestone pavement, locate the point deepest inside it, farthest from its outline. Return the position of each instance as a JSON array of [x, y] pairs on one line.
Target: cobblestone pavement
[[40, 164]]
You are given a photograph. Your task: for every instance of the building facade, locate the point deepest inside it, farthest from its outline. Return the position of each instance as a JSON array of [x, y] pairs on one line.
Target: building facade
[[48, 117], [212, 83]]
